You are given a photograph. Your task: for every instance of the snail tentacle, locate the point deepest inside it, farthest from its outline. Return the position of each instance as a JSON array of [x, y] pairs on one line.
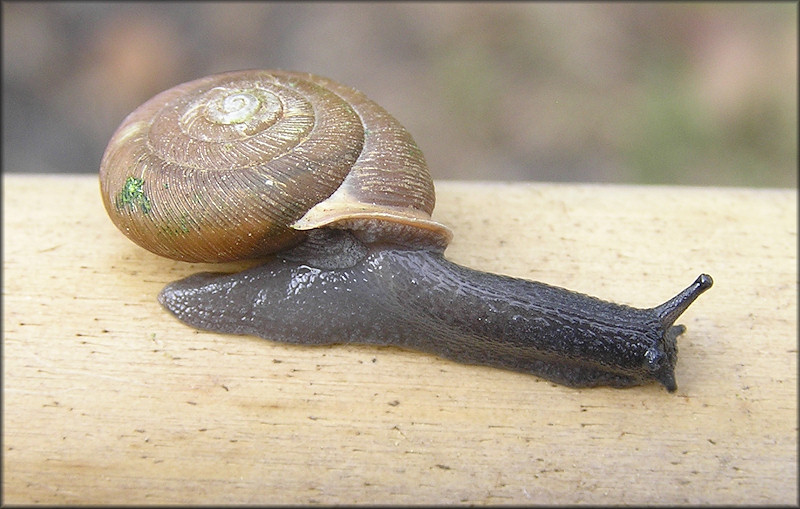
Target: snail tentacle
[[669, 311]]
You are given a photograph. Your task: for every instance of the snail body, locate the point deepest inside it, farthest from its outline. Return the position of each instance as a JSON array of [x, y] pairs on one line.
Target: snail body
[[256, 163]]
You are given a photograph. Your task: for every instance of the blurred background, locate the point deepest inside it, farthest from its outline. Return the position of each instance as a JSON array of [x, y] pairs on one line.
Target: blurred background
[[664, 93]]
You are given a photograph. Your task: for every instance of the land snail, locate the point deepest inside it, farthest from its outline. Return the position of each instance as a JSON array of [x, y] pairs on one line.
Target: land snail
[[335, 195]]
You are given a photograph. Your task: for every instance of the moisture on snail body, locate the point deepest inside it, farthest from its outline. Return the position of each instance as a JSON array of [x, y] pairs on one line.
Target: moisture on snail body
[[255, 163]]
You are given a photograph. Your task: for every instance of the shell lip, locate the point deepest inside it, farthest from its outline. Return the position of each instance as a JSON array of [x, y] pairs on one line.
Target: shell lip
[[350, 217]]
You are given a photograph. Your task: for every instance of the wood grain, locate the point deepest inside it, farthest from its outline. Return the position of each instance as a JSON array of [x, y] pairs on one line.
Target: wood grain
[[107, 399]]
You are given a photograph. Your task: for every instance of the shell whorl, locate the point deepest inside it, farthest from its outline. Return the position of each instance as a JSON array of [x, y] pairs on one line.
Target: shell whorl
[[237, 165]]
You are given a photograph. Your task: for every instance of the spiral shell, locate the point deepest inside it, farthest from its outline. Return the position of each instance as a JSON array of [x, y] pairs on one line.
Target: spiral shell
[[238, 165]]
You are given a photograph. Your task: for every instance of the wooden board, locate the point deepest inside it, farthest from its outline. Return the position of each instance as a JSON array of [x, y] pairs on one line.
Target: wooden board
[[107, 399]]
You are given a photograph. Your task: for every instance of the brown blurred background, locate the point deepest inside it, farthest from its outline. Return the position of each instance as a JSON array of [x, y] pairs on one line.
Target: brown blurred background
[[670, 93]]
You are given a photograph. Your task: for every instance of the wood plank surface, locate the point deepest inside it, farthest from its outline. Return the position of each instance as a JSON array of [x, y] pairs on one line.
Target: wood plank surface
[[107, 399]]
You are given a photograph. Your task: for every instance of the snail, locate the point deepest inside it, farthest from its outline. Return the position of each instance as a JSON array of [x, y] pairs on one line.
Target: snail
[[335, 195]]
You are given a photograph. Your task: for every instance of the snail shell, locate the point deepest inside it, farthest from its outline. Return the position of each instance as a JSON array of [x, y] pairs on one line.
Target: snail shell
[[241, 164]]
